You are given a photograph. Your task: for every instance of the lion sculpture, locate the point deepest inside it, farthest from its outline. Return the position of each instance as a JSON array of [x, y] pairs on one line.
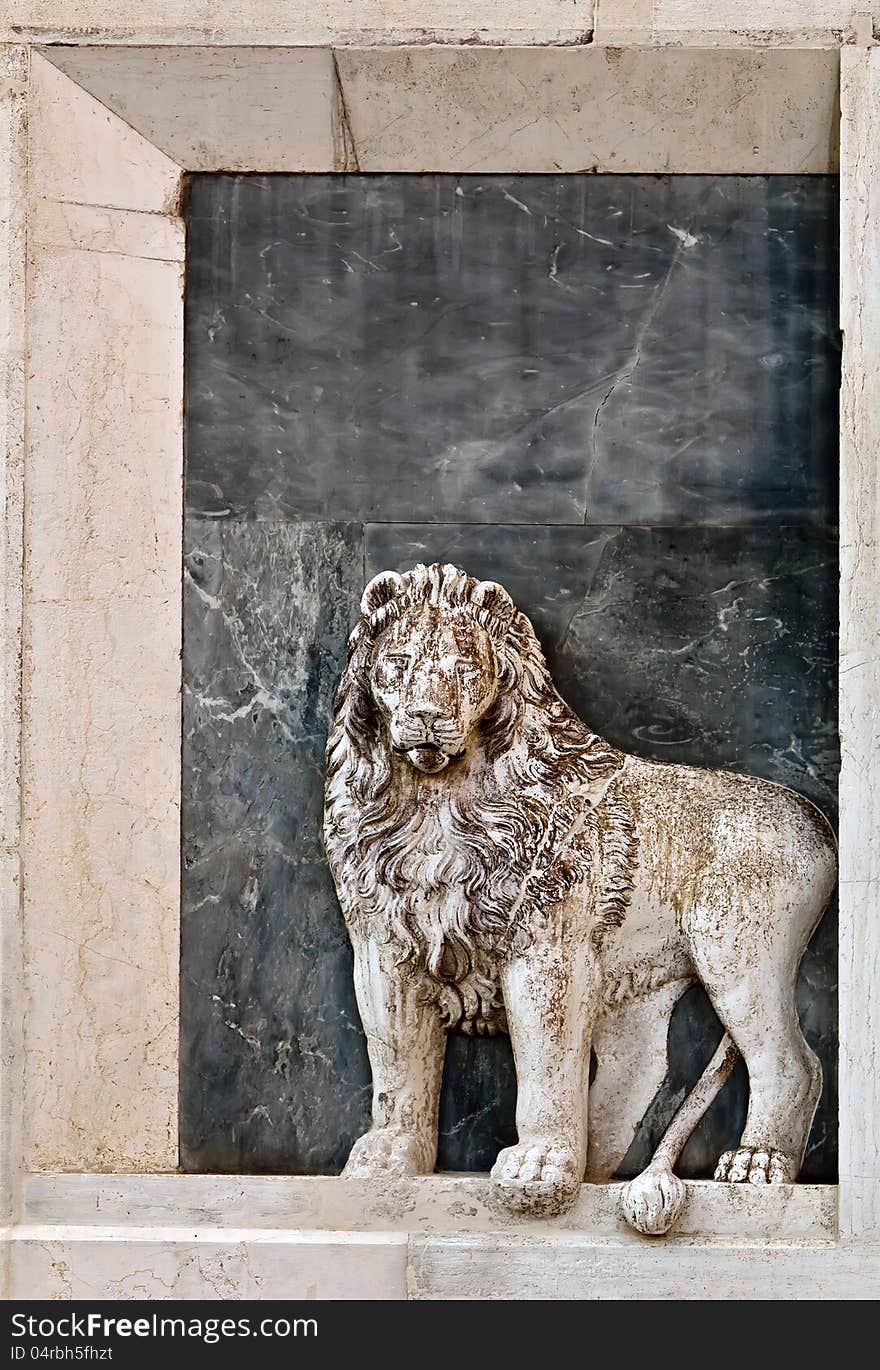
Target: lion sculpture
[[502, 868]]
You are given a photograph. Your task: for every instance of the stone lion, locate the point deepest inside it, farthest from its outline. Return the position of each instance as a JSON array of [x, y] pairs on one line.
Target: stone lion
[[502, 868]]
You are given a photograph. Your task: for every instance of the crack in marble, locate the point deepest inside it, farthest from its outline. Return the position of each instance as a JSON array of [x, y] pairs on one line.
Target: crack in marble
[[347, 158], [627, 371]]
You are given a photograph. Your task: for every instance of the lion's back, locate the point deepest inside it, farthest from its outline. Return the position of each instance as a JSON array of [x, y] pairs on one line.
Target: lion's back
[[714, 834]]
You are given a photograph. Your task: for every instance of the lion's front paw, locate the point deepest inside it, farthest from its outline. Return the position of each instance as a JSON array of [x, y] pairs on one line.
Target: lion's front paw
[[541, 1176], [652, 1201], [389, 1151], [755, 1165]]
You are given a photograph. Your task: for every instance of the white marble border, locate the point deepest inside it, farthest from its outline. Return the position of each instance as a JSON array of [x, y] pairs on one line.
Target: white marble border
[[859, 680], [99, 560], [472, 109], [392, 23]]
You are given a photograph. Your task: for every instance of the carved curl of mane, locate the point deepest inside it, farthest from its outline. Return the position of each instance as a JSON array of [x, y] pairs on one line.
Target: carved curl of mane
[[547, 819]]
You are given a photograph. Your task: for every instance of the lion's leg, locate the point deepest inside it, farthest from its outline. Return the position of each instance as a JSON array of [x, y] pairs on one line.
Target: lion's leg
[[756, 1004], [406, 1042], [631, 1064], [785, 1081], [550, 996]]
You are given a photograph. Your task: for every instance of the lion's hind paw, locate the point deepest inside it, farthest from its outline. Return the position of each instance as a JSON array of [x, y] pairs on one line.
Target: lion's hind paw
[[755, 1165]]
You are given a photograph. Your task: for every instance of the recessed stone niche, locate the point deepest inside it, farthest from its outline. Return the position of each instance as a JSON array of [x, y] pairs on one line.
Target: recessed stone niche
[[615, 394]]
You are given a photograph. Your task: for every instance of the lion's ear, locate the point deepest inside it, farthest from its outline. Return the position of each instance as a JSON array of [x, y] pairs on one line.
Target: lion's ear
[[384, 587], [489, 595]]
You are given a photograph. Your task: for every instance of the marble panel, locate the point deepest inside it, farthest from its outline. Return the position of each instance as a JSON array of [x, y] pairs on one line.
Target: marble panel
[[274, 1074], [550, 349], [100, 680]]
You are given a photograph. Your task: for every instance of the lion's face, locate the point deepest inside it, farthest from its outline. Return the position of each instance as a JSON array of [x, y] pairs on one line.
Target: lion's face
[[434, 675]]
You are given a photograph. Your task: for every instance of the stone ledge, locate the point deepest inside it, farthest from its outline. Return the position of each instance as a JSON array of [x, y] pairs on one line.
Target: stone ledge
[[443, 1204]]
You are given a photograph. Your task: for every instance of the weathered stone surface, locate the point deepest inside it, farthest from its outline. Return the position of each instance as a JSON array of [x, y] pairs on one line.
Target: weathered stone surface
[[14, 171], [100, 677], [276, 22], [380, 101], [591, 108], [84, 155], [441, 1204]]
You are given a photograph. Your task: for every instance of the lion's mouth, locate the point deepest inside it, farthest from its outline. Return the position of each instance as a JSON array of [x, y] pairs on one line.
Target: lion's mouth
[[428, 757]]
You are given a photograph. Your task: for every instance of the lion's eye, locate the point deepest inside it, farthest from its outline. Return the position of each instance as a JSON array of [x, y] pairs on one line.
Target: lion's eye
[[395, 666], [467, 670]]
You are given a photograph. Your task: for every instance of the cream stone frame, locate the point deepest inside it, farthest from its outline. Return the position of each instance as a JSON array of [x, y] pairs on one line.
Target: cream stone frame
[[100, 135]]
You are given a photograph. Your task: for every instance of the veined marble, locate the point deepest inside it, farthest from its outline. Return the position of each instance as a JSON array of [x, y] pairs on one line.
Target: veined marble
[[550, 349]]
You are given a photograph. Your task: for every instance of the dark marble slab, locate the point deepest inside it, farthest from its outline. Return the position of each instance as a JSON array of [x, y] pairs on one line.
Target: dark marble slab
[[274, 1074], [715, 647], [726, 409], [512, 349]]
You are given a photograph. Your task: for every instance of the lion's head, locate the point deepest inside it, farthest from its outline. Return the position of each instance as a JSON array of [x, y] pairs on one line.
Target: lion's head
[[436, 668]]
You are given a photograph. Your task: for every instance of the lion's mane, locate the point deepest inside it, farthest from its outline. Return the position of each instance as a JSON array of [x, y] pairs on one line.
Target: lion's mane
[[548, 819]]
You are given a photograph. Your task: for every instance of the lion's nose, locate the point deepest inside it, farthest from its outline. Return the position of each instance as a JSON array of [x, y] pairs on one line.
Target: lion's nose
[[425, 710]]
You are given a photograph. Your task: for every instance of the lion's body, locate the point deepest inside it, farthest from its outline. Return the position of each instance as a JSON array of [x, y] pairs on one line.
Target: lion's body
[[732, 875], [716, 852], [525, 855]]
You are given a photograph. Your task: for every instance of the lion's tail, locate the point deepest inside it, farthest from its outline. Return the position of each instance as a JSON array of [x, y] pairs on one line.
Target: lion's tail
[[653, 1200]]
